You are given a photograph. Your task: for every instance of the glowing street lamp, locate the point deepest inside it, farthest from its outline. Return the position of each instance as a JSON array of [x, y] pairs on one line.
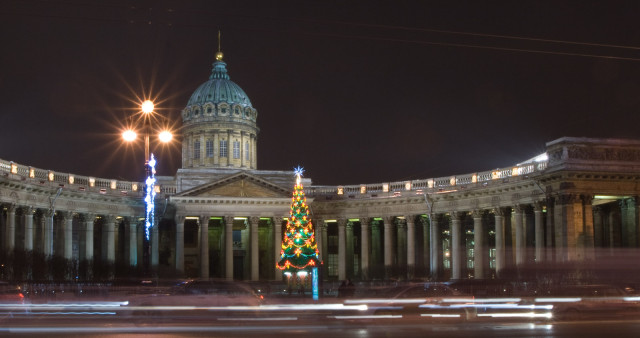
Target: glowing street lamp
[[129, 135]]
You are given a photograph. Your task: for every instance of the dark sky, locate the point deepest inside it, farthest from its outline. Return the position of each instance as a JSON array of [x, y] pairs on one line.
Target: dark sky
[[355, 92]]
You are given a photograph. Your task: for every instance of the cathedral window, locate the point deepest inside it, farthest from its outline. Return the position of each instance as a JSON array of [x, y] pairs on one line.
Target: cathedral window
[[236, 149], [246, 151], [223, 148], [209, 148], [196, 149], [209, 110]]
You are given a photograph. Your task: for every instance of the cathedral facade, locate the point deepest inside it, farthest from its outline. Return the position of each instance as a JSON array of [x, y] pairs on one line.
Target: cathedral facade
[[220, 216]]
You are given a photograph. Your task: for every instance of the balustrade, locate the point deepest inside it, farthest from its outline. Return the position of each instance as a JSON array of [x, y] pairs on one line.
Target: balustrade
[[110, 186]]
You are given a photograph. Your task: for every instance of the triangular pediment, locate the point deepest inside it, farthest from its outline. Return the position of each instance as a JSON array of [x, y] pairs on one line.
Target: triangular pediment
[[237, 185]]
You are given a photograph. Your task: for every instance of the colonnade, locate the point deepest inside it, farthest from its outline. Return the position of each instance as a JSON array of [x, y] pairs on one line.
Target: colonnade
[[43, 231], [250, 224], [480, 243], [457, 244]]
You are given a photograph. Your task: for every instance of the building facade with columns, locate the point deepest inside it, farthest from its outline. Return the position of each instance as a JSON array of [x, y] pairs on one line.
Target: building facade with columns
[[220, 216]]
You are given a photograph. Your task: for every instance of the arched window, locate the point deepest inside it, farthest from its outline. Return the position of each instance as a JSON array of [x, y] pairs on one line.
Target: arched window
[[236, 149], [223, 148], [196, 149], [209, 148]]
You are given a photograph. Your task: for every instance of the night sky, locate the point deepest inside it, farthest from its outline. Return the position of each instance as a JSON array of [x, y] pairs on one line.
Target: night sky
[[355, 92]]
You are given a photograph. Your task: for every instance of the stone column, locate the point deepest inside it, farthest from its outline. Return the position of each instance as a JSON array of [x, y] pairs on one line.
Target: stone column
[[435, 247], [342, 249], [277, 234], [568, 217], [479, 247], [133, 241], [550, 231], [500, 242], [228, 246], [216, 148], [229, 154], [585, 233], [426, 236], [388, 246], [411, 246], [539, 231], [598, 238], [376, 250], [349, 253], [401, 248], [88, 236], [28, 228], [180, 219], [317, 233], [243, 164], [11, 227], [110, 223], [520, 233], [255, 251], [597, 227], [38, 240], [154, 239], [204, 246], [456, 241], [325, 247], [48, 233], [364, 248], [67, 227]]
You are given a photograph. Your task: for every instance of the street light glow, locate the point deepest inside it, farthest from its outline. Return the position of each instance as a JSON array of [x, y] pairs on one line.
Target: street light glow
[[147, 106], [165, 136], [129, 135]]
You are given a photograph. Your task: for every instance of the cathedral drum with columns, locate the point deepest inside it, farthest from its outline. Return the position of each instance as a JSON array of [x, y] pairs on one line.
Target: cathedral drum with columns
[[220, 216]]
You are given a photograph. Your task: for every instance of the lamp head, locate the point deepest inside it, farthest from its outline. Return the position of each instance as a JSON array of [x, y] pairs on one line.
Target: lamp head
[[147, 106]]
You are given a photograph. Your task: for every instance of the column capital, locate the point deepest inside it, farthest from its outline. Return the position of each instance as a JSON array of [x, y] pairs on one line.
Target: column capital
[[388, 220], [519, 208], [202, 219], [11, 207], [109, 218], [254, 220], [477, 213], [456, 215], [499, 211], [88, 217], [538, 206], [342, 222], [364, 220], [180, 218], [588, 199], [63, 216], [564, 199], [28, 209], [597, 210], [410, 219], [228, 220]]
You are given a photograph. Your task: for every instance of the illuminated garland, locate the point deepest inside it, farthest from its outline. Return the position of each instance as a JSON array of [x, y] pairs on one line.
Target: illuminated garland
[[150, 196], [299, 247]]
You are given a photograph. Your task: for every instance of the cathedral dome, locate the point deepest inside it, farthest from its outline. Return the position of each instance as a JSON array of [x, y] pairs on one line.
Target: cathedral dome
[[219, 125], [219, 89]]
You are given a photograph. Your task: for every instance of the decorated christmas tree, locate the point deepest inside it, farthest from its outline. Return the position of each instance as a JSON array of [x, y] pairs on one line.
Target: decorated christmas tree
[[299, 248]]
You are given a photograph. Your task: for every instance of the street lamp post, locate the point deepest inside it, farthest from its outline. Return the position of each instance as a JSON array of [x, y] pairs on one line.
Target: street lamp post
[[164, 136]]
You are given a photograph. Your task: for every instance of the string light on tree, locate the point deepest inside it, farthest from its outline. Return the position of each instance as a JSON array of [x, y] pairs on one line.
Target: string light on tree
[[150, 196], [299, 248]]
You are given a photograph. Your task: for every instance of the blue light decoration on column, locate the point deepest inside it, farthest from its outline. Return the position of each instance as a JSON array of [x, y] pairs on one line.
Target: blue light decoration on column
[[150, 196]]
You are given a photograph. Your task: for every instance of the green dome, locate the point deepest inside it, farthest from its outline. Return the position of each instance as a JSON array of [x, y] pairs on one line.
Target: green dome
[[219, 89]]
